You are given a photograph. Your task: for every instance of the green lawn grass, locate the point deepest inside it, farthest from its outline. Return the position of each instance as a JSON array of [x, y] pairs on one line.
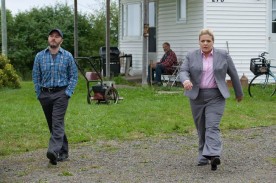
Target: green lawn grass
[[143, 112]]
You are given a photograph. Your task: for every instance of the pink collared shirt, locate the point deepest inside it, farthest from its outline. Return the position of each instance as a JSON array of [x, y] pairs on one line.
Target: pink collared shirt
[[207, 77]]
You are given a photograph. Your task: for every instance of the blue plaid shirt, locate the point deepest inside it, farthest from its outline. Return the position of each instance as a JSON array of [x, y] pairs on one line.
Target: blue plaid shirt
[[49, 73]]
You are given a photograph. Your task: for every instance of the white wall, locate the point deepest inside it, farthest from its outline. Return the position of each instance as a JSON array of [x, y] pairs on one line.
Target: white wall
[[241, 23], [183, 37], [131, 46]]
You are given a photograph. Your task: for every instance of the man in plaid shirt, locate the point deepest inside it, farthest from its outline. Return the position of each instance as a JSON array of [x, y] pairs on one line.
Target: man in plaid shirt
[[165, 65], [55, 77]]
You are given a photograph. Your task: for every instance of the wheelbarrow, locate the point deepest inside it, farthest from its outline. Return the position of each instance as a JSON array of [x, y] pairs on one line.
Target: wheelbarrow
[[97, 89]]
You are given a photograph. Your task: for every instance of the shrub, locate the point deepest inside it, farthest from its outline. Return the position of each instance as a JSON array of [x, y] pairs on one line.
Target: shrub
[[8, 75]]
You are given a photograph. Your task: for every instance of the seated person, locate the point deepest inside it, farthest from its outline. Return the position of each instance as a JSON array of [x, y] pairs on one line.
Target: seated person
[[165, 65]]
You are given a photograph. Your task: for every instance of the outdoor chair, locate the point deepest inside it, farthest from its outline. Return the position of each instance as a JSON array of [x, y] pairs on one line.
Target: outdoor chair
[[172, 79]]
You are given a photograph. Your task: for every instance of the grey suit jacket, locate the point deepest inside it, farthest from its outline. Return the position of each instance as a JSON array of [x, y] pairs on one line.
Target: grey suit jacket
[[191, 69]]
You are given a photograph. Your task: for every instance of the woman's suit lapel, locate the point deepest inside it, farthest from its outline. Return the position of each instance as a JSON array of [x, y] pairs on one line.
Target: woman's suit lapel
[[215, 58], [199, 64], [199, 60]]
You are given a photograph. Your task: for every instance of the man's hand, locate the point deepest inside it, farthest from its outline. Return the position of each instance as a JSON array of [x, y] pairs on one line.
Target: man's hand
[[239, 98], [187, 84], [153, 65]]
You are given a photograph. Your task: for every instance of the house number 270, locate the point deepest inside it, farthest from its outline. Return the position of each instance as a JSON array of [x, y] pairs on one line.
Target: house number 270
[[217, 1]]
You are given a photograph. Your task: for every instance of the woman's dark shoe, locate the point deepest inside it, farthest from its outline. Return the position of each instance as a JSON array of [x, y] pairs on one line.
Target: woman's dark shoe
[[215, 161]]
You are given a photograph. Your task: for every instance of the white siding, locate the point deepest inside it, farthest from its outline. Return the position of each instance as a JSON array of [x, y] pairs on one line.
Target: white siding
[[241, 23], [183, 37], [131, 46]]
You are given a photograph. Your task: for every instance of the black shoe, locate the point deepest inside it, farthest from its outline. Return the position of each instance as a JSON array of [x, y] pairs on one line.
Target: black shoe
[[62, 157], [52, 156], [215, 161]]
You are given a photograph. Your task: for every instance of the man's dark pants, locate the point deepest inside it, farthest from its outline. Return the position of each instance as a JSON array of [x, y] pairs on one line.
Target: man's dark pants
[[158, 72], [54, 105]]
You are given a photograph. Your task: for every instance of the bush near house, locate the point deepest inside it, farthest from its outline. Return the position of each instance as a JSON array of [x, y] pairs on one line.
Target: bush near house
[[8, 75]]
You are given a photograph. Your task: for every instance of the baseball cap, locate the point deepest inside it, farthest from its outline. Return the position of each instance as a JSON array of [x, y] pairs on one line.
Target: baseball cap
[[57, 30]]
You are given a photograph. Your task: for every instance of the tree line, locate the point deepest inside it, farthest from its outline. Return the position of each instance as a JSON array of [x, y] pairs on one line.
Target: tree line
[[27, 32]]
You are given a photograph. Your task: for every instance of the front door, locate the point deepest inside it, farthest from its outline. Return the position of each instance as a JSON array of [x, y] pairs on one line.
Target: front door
[[152, 31], [272, 31]]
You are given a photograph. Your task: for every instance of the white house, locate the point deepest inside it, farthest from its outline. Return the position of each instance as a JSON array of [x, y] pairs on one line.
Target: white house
[[244, 27]]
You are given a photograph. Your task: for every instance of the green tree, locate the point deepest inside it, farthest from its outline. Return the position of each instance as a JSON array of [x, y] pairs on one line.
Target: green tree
[[10, 25], [31, 32], [97, 33], [28, 32]]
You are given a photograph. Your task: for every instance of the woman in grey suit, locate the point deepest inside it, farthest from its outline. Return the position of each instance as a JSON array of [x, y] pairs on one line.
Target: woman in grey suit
[[203, 75]]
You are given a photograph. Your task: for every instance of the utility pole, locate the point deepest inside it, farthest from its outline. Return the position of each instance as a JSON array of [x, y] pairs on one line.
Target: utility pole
[[76, 50], [145, 42], [107, 39], [4, 28]]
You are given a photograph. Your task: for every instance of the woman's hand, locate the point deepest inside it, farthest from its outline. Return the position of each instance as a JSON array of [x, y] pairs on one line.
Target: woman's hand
[[187, 84]]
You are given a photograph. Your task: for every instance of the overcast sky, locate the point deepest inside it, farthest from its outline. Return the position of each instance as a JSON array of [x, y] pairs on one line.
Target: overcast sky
[[16, 6]]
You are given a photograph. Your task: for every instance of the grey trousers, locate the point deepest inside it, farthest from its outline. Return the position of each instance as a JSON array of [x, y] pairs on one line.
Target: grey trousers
[[207, 110], [54, 105]]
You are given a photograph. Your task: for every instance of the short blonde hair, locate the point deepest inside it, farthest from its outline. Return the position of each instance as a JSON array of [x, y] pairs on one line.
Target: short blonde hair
[[206, 32]]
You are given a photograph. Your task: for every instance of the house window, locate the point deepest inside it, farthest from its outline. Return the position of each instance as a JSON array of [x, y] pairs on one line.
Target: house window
[[181, 10], [152, 14], [273, 16], [152, 27], [132, 20]]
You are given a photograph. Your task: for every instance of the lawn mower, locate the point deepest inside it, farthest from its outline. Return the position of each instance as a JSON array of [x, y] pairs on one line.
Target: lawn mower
[[97, 89]]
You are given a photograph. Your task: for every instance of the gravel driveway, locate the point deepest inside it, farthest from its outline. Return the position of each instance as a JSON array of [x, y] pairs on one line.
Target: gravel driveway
[[248, 156]]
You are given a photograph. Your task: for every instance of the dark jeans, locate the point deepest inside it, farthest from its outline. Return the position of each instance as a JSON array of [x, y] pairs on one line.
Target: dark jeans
[[54, 105], [158, 72]]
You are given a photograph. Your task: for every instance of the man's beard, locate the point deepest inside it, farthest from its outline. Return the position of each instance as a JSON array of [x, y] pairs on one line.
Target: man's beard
[[54, 45]]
